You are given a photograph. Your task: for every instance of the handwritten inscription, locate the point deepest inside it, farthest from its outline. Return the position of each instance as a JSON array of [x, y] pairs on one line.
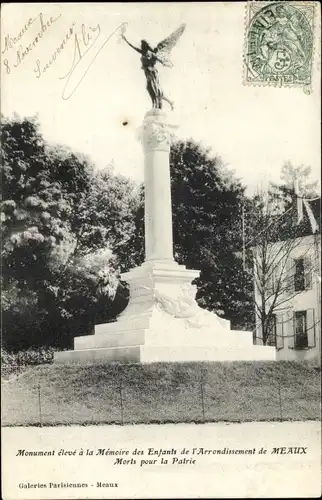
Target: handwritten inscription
[[82, 43], [42, 68], [81, 61], [10, 42], [24, 50]]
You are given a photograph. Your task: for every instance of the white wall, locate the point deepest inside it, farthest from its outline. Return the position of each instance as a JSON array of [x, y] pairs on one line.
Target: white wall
[[308, 300]]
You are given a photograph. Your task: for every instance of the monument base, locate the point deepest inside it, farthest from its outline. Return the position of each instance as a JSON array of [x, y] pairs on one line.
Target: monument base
[[179, 354], [163, 322]]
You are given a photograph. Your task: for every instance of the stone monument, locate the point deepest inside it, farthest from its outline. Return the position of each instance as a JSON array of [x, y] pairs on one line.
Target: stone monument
[[162, 321]]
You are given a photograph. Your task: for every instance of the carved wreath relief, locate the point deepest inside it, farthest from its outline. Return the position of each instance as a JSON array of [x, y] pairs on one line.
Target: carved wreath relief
[[156, 135]]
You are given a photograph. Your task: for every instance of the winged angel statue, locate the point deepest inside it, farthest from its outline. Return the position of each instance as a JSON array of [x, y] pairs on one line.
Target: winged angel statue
[[149, 58]]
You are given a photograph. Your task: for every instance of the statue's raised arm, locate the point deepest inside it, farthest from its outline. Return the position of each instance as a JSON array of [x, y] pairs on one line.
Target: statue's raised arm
[[149, 58], [130, 44]]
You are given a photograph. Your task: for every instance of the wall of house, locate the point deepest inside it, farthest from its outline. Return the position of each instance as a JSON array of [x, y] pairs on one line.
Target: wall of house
[[308, 300]]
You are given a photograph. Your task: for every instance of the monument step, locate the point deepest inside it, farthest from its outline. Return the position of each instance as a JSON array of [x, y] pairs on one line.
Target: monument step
[[152, 354], [208, 338], [131, 353], [119, 339]]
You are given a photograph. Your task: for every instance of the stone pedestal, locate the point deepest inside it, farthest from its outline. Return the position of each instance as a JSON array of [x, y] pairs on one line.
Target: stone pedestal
[[163, 321]]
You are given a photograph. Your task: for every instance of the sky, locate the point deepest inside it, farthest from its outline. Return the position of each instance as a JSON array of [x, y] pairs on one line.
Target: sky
[[254, 129]]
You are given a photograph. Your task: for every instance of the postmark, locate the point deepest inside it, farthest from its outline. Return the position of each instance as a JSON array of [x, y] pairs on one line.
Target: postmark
[[279, 41]]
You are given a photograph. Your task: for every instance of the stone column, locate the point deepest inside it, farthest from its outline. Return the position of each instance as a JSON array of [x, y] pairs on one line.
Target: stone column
[[156, 136]]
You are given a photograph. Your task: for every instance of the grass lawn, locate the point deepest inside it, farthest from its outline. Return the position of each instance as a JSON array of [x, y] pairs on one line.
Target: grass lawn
[[162, 392]]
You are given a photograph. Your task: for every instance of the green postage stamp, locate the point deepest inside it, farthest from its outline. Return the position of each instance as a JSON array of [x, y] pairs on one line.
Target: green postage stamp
[[279, 43]]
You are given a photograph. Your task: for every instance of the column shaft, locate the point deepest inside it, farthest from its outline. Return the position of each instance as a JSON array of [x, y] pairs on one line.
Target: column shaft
[[158, 210], [156, 138]]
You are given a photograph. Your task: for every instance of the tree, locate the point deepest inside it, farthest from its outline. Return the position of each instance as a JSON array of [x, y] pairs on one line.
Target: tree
[[114, 204], [292, 176], [61, 225], [301, 174], [207, 202]]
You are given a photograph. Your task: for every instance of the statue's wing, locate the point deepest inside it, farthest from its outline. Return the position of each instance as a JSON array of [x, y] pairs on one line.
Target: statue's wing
[[164, 48]]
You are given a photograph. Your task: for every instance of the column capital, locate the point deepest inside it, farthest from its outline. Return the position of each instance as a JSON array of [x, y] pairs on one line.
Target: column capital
[[156, 133]]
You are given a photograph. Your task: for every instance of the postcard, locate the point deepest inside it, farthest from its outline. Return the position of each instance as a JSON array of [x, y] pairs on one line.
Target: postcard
[[161, 271]]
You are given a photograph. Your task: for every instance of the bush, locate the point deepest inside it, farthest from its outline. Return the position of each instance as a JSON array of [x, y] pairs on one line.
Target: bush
[[15, 362]]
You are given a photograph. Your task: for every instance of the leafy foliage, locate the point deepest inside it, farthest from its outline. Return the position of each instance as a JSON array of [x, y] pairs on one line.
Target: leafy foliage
[[61, 222], [207, 202]]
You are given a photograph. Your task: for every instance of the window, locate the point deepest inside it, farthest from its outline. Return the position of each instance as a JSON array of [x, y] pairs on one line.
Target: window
[[300, 329], [271, 330], [299, 276], [303, 274], [272, 278], [308, 273]]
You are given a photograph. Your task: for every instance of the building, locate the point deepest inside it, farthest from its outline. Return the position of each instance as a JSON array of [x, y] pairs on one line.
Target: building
[[287, 278]]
